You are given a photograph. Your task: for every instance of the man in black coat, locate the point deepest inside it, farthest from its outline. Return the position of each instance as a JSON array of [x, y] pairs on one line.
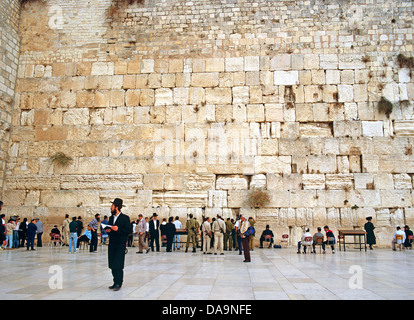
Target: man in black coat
[[154, 227], [170, 232], [118, 231]]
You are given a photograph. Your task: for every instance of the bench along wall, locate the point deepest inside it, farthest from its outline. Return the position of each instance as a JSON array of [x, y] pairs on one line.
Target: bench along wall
[[186, 107]]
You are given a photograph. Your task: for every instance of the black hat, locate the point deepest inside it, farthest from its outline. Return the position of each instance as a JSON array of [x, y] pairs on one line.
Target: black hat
[[369, 218], [155, 215], [118, 203]]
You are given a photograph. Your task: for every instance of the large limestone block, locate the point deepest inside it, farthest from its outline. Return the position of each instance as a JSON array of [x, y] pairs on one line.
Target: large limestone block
[[237, 198], [218, 96], [340, 181], [217, 198], [351, 61], [234, 64], [312, 130], [345, 93], [232, 182], [69, 198], [322, 163], [383, 181], [347, 128], [373, 128], [286, 78], [205, 80], [402, 181], [404, 128], [241, 95], [303, 199], [364, 180], [163, 96], [214, 65], [280, 62], [328, 61], [199, 182], [251, 63], [101, 182], [396, 198], [272, 164], [181, 95], [313, 181], [180, 199], [33, 182], [102, 68]]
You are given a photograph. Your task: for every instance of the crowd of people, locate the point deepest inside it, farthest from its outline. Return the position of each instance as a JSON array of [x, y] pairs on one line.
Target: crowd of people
[[212, 236]]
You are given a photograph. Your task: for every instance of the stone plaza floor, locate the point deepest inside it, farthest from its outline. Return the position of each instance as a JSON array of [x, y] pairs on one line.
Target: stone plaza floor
[[275, 274]]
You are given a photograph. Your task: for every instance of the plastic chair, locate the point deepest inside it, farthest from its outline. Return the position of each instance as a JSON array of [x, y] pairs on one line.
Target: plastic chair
[[318, 241], [308, 241], [55, 239], [399, 240], [285, 239]]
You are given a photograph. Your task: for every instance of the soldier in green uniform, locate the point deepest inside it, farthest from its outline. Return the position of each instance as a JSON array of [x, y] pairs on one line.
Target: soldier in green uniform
[[192, 226], [228, 235]]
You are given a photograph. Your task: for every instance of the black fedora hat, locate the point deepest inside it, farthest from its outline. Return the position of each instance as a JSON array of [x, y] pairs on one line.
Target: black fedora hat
[[118, 203]]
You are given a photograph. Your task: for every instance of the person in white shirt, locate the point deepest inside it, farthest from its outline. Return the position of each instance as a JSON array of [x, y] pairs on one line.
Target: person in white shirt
[[177, 239], [399, 232], [304, 241]]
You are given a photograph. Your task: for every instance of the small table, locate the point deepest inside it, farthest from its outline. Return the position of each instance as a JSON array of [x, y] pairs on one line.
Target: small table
[[359, 233]]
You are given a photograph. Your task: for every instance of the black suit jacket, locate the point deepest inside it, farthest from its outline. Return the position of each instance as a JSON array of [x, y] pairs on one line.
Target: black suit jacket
[[151, 227], [124, 229]]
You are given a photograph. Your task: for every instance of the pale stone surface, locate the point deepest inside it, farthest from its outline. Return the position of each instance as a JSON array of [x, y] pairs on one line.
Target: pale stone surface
[[233, 105]]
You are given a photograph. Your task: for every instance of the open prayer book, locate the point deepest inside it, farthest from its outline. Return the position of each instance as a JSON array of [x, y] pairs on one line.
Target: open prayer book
[[104, 226]]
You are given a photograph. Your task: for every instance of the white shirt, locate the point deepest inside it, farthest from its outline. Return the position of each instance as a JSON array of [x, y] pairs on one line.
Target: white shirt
[[177, 224], [400, 232], [307, 243]]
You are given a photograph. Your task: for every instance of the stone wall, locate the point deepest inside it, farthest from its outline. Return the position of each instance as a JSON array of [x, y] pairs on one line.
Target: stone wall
[[9, 60], [186, 107]]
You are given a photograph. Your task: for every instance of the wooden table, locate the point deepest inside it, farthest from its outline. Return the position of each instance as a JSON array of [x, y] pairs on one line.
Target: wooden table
[[359, 233]]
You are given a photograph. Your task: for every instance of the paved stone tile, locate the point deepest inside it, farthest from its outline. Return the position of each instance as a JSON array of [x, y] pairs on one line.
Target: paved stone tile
[[272, 275]]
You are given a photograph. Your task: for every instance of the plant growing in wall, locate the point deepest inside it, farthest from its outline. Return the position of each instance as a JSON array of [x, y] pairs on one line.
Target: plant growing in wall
[[258, 198], [61, 159], [385, 106], [405, 62]]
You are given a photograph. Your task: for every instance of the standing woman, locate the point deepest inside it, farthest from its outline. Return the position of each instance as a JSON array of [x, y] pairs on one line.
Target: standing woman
[[369, 228]]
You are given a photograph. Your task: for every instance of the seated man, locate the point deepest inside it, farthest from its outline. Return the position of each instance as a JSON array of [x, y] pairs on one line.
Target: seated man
[[87, 235], [267, 235], [330, 239], [306, 241], [318, 235], [55, 235], [398, 238], [408, 234]]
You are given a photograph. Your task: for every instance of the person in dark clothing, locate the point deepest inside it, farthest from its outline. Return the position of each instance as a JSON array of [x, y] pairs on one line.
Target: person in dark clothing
[[330, 239], [31, 233], [266, 232], [408, 234], [80, 228], [23, 232], [170, 232], [154, 231], [119, 228], [369, 228]]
